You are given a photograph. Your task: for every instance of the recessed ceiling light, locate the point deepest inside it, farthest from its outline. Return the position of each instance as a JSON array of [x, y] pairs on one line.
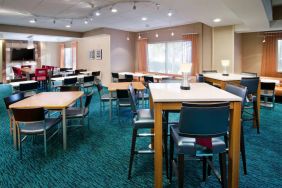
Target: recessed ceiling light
[[157, 35], [127, 38], [86, 22], [68, 25], [172, 33], [169, 13], [33, 21], [139, 36], [144, 19], [113, 10], [97, 13], [217, 20]]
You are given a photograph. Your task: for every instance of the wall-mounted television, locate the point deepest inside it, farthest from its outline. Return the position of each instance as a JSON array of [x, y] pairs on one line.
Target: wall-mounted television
[[22, 54]]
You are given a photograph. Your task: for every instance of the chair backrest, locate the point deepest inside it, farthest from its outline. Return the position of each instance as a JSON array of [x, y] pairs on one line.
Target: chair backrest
[[69, 81], [17, 71], [249, 74], [209, 71], [251, 83], [41, 72], [267, 86], [88, 99], [88, 79], [34, 115], [115, 75], [149, 79], [200, 78], [122, 94], [96, 73], [28, 86], [25, 66], [69, 88], [204, 119], [18, 80], [129, 76], [125, 80], [132, 99], [240, 91], [57, 76], [13, 99]]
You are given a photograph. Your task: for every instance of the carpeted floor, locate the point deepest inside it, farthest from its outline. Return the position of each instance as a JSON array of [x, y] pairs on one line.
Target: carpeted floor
[[99, 157]]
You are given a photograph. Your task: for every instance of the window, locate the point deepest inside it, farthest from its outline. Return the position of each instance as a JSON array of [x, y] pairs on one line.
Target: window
[[167, 57], [68, 58], [279, 58]]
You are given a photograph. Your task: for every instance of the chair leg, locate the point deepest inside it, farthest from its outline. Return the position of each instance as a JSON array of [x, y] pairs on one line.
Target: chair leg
[[180, 169], [171, 151], [256, 116], [132, 152], [20, 144], [243, 151], [223, 171], [165, 150], [209, 168], [45, 143], [204, 169]]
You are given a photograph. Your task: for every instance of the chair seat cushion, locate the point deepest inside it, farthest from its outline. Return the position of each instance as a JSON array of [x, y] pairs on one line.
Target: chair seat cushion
[[38, 127], [74, 112], [144, 119], [188, 145]]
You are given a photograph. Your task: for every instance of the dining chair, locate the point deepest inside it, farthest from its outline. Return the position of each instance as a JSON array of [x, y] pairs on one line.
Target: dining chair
[[249, 74], [17, 72], [11, 100], [80, 112], [104, 97], [129, 77], [200, 78], [70, 81], [142, 119], [123, 100], [69, 88], [252, 86], [18, 80], [240, 91], [34, 123], [268, 92], [194, 136], [41, 75], [29, 89], [115, 77], [88, 82], [96, 74], [124, 80]]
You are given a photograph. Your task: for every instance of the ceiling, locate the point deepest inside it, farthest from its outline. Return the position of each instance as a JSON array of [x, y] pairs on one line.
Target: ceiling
[[246, 15]]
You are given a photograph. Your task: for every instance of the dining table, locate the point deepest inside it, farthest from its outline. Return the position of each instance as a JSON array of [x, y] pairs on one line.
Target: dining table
[[59, 101], [114, 86], [169, 96]]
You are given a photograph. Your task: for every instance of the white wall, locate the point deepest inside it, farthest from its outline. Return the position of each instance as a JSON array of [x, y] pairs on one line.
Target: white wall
[[84, 62], [50, 54], [223, 47]]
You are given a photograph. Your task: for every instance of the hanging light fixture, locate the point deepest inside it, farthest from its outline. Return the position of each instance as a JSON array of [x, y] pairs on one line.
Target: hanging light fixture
[[172, 34], [30, 44], [139, 36], [86, 22], [157, 35], [263, 41], [33, 21]]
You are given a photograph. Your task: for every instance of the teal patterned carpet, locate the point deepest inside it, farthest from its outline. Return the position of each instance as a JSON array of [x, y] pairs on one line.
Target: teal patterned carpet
[[99, 157]]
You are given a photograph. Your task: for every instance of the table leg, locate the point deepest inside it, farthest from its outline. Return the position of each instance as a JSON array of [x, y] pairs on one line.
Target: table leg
[[64, 129], [258, 104], [152, 130], [110, 107], [15, 135], [143, 101], [234, 146], [158, 159]]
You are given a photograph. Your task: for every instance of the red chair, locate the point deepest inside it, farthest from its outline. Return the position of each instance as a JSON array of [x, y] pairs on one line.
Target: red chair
[[41, 75], [17, 72], [43, 66]]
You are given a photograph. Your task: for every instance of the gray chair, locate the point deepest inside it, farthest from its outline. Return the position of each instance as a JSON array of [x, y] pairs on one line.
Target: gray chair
[[80, 112], [200, 78], [142, 119], [115, 77], [240, 91], [268, 92], [29, 89], [123, 100], [88, 82], [34, 124], [200, 123], [104, 97], [249, 74]]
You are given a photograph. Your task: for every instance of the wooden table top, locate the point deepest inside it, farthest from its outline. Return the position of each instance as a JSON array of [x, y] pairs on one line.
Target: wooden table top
[[124, 85], [49, 100], [171, 92]]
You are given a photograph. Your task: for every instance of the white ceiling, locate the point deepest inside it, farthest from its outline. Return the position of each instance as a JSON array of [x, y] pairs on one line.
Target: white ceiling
[[247, 15]]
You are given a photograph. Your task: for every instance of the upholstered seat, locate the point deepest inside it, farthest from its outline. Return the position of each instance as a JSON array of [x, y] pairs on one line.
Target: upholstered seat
[[38, 127], [144, 119], [76, 112], [189, 146]]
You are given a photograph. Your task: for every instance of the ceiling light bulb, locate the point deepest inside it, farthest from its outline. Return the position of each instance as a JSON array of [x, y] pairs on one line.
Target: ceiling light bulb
[[139, 36], [127, 38], [97, 13], [172, 33], [144, 19], [157, 35], [68, 25], [33, 21], [113, 10], [86, 22], [217, 20], [169, 14]]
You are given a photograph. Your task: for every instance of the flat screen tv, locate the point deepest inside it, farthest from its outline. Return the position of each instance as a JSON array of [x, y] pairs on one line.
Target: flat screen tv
[[22, 54]]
